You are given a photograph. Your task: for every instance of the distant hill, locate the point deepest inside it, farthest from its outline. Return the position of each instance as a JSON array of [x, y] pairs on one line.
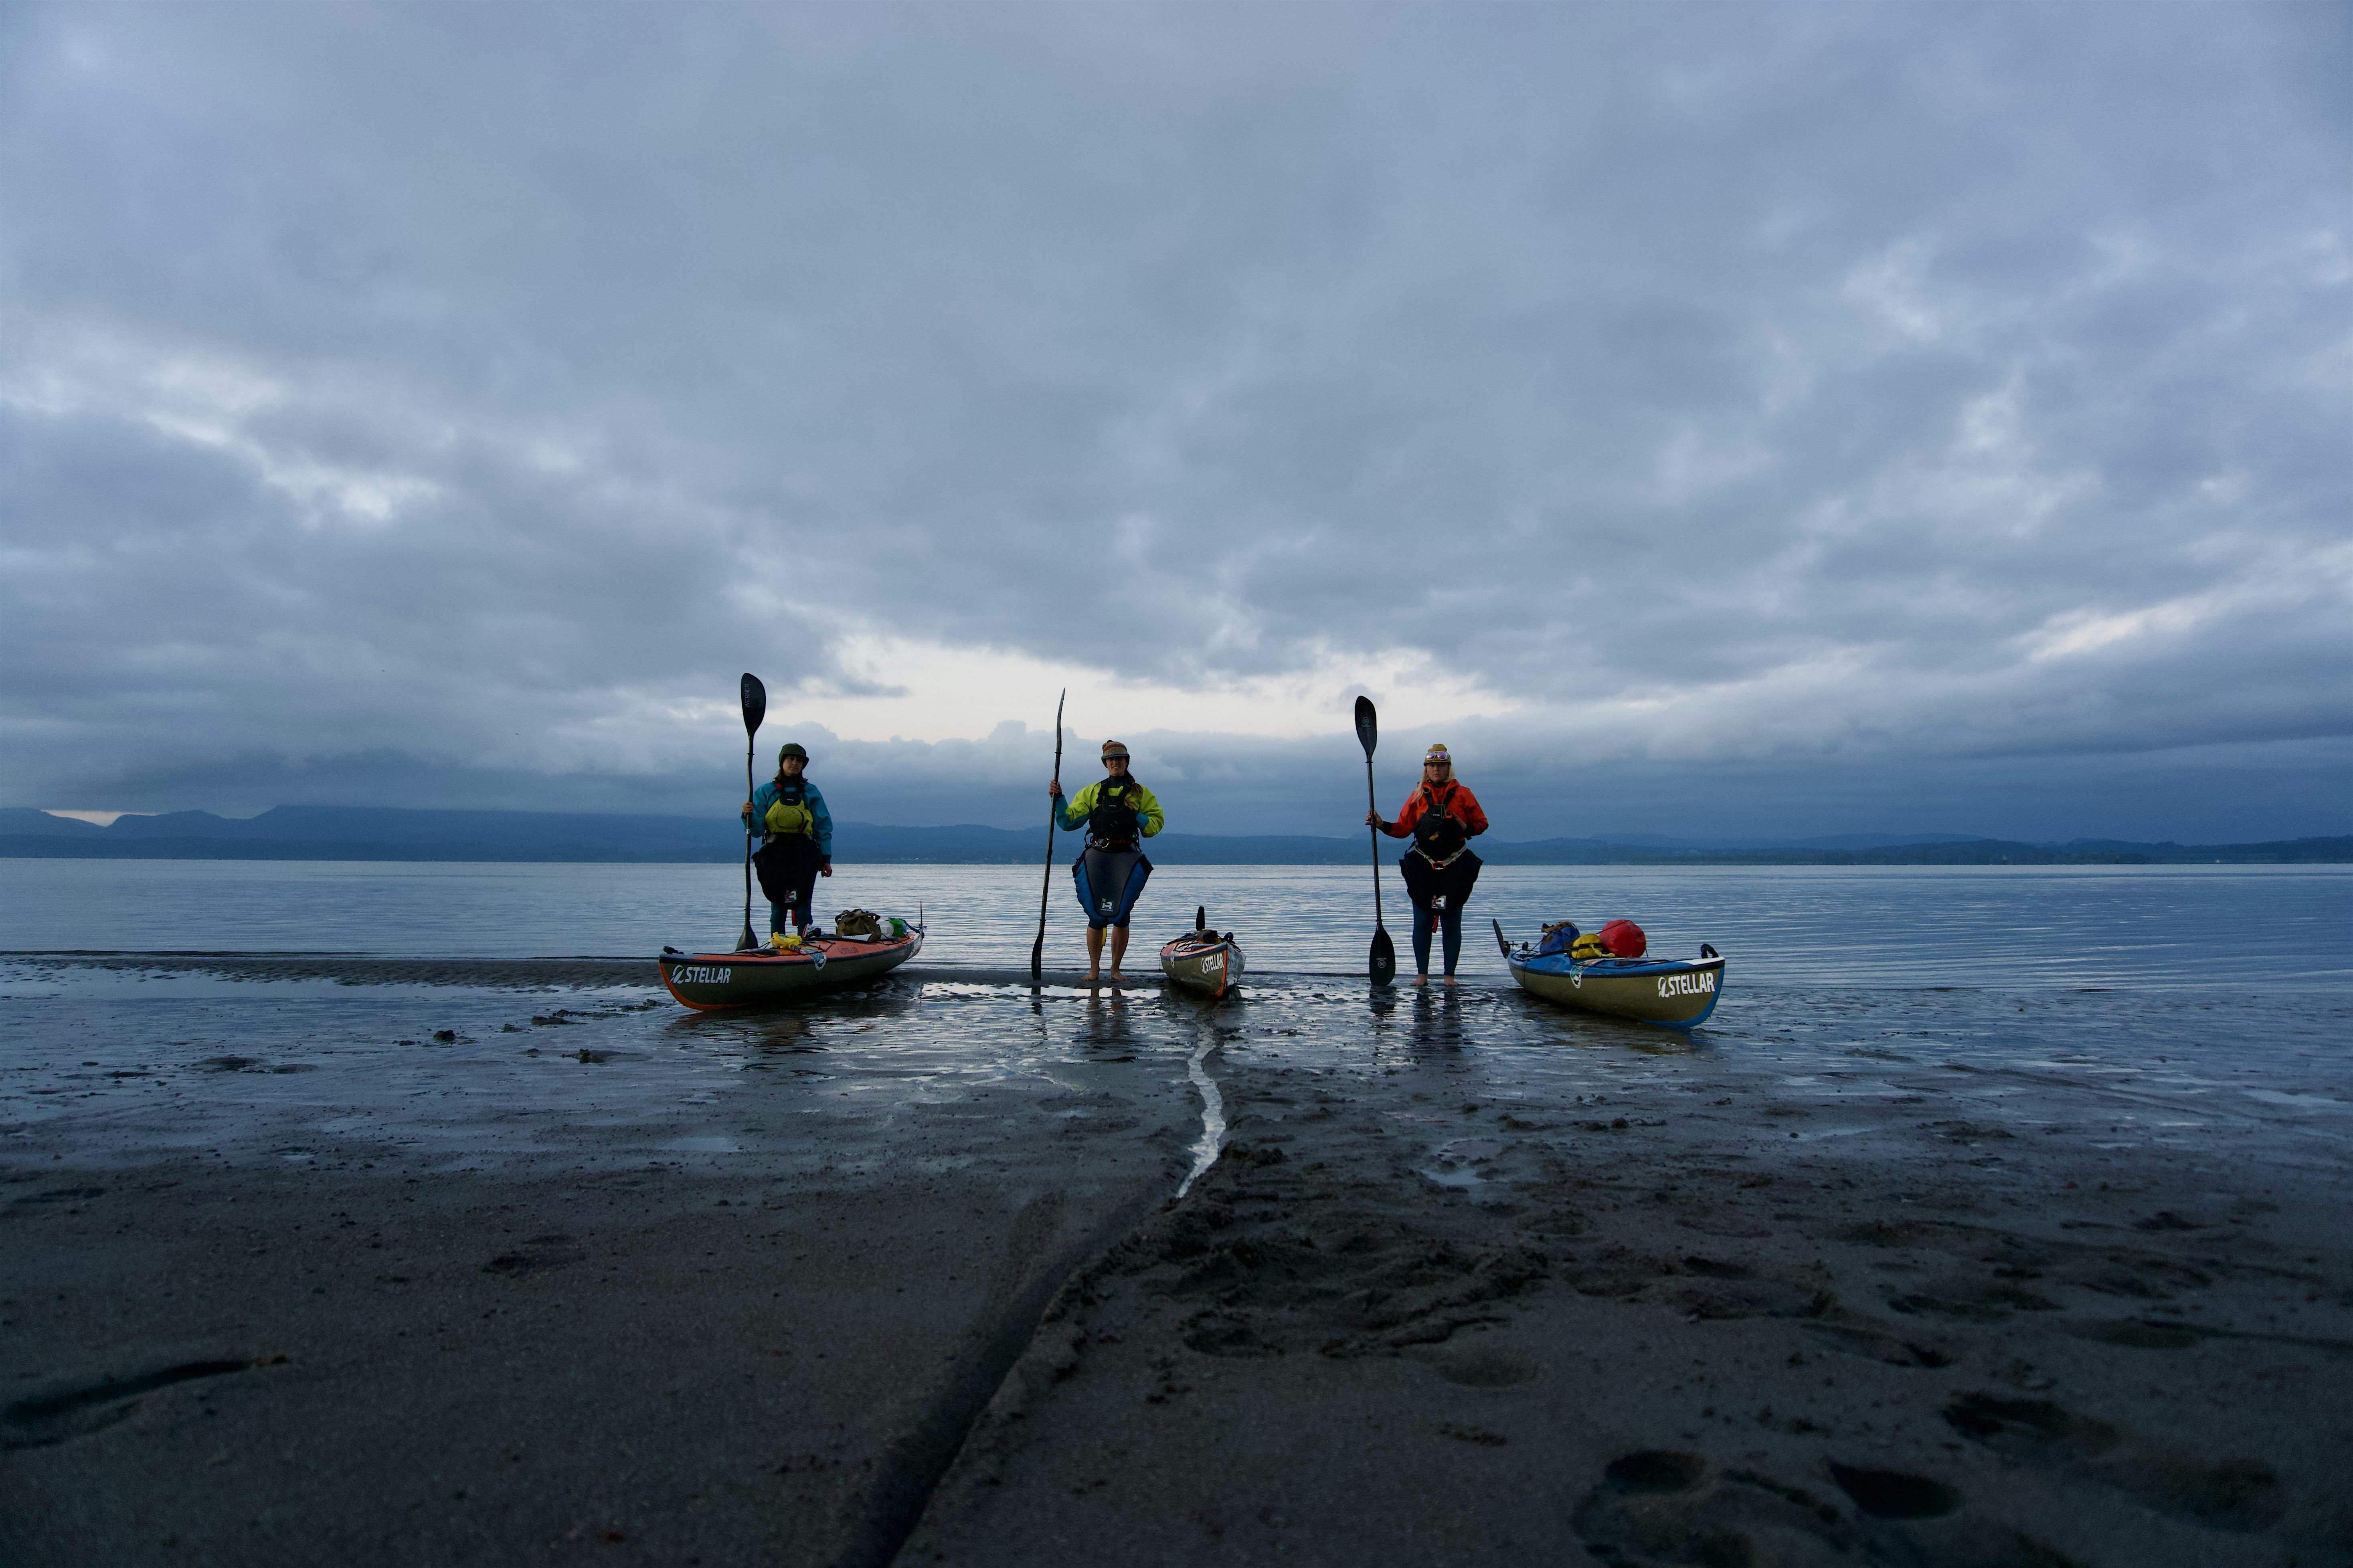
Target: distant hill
[[24, 822], [355, 832]]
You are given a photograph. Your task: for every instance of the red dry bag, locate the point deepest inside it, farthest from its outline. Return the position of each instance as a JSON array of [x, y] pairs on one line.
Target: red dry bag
[[1624, 938]]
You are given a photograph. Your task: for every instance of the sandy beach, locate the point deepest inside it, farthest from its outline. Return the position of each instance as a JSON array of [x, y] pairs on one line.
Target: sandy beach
[[1674, 1311]]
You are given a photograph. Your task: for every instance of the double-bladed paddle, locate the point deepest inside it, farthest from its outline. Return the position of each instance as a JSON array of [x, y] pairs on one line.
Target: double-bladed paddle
[[1384, 955], [755, 707], [1053, 814]]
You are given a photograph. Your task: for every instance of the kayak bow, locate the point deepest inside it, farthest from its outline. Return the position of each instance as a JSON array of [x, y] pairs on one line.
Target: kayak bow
[[1201, 960]]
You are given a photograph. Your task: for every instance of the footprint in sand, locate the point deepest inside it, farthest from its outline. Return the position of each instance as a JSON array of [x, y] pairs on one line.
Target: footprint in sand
[[1485, 1366], [536, 1255], [1658, 1507], [2228, 1494]]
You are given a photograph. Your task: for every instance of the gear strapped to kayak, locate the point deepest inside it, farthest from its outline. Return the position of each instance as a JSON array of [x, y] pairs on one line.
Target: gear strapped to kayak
[[1108, 882]]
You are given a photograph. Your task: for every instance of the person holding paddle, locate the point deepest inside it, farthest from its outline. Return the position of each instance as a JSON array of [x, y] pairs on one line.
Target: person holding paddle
[[796, 843], [1442, 817], [1118, 813]]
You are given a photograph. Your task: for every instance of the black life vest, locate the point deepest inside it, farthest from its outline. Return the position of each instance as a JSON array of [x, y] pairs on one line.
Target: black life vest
[[1436, 833], [1114, 819]]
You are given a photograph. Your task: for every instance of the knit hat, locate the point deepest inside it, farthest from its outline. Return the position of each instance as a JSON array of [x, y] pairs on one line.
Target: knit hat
[[1112, 749], [1437, 753]]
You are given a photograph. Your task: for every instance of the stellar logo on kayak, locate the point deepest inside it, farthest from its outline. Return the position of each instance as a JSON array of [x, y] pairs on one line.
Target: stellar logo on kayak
[[1698, 985], [701, 974]]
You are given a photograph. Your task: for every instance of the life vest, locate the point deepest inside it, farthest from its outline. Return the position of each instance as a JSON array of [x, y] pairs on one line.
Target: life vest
[[1436, 833], [1114, 819], [790, 814]]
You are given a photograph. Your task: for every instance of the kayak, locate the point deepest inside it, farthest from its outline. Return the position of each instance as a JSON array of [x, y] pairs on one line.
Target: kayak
[[1201, 960], [1678, 993], [711, 981]]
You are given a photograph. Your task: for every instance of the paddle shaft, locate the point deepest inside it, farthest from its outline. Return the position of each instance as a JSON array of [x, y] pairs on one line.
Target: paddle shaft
[[1046, 884], [746, 942], [1373, 806], [754, 698]]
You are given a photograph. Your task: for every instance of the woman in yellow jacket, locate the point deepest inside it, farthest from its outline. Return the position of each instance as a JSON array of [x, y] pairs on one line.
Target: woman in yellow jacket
[[1118, 813]]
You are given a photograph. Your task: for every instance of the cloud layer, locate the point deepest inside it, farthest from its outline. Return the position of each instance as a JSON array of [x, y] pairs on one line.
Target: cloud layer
[[1735, 411]]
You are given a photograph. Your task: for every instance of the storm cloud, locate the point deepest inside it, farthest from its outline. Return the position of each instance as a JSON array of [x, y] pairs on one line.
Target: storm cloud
[[1791, 418]]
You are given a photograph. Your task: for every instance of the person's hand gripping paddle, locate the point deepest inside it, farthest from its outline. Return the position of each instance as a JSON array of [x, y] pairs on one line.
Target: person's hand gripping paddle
[[755, 707], [1384, 955]]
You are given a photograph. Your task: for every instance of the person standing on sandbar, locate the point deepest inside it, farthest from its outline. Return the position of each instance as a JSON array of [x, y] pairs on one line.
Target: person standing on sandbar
[[1442, 817], [1118, 813]]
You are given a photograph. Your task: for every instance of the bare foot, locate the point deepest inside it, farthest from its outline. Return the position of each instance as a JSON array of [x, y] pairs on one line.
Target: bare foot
[[1449, 979], [1117, 978], [1092, 979], [1421, 979]]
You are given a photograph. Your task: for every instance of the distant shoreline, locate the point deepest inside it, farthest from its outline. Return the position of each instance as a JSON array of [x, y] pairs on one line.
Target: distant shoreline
[[406, 833], [1199, 850]]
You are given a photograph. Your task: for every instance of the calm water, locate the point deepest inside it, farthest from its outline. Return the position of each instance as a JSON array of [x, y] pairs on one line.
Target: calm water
[[2011, 927], [2202, 1010]]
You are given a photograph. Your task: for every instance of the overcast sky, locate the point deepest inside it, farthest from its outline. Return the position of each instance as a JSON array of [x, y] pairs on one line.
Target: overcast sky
[[1750, 418]]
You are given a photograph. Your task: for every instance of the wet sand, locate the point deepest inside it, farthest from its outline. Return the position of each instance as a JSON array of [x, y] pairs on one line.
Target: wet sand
[[1406, 1316], [1662, 1331]]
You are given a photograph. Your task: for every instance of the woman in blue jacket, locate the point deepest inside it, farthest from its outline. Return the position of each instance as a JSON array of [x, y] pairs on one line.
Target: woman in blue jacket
[[796, 843]]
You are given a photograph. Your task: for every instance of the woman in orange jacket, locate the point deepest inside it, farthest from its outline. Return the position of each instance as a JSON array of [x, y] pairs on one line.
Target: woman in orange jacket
[[1442, 817]]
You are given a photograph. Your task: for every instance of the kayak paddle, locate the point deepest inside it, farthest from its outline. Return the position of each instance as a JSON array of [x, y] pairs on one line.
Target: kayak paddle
[[755, 707], [1053, 814], [1384, 955]]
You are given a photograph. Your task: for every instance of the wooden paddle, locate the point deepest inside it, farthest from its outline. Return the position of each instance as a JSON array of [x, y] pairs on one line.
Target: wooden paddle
[[1053, 814], [755, 707], [1384, 955]]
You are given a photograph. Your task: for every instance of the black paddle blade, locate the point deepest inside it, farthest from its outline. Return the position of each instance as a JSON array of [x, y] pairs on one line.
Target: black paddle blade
[[1369, 726], [1384, 962], [756, 704], [1038, 960]]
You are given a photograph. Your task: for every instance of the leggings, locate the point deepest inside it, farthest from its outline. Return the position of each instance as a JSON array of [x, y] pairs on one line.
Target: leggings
[[1450, 920]]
